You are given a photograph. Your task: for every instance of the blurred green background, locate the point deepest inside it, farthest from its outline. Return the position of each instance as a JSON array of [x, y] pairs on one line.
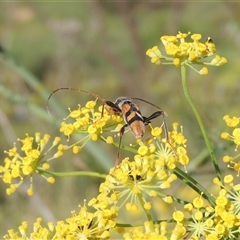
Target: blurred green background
[[100, 47]]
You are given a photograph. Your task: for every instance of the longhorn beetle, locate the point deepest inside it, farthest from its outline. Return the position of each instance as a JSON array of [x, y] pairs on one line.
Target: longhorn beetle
[[130, 112]]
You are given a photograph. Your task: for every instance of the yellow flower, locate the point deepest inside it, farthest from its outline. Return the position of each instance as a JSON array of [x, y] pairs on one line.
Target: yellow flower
[[143, 176], [198, 215], [220, 229], [178, 216], [23, 163], [198, 202], [76, 149], [228, 179], [203, 71], [181, 52], [148, 232], [231, 122], [156, 132], [221, 201], [67, 129], [143, 150], [90, 121], [82, 225]]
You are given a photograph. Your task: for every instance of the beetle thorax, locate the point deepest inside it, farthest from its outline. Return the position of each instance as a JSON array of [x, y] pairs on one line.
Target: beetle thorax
[[123, 100]]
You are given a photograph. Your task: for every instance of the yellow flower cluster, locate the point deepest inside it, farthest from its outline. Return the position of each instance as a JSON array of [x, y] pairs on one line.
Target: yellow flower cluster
[[91, 122], [159, 231], [180, 52], [84, 225], [146, 176], [31, 159], [234, 136], [220, 221]]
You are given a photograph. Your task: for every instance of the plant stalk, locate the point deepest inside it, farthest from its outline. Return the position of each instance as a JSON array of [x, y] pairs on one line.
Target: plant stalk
[[200, 122]]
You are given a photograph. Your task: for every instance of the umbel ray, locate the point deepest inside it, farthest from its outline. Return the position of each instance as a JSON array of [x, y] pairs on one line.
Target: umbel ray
[[130, 112]]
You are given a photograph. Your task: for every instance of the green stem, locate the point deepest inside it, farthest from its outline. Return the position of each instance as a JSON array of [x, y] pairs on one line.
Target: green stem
[[194, 185], [177, 200], [148, 214], [140, 224], [72, 174], [197, 115]]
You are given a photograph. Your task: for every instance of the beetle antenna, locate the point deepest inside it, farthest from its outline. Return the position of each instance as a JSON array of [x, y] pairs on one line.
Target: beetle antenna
[[72, 89]]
